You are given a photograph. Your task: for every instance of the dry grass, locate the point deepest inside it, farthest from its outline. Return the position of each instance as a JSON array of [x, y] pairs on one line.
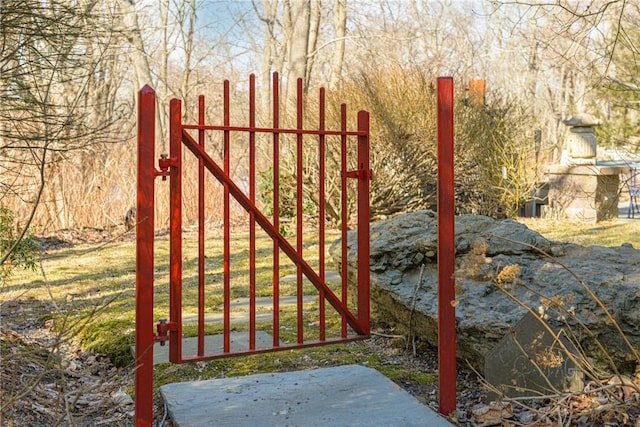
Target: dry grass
[[93, 287], [608, 397]]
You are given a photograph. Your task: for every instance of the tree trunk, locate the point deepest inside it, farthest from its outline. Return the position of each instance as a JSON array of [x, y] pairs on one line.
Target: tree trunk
[[314, 25], [298, 43], [139, 57], [270, 61], [340, 29]]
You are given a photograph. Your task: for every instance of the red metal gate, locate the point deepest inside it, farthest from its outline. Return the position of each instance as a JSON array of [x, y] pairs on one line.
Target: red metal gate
[[353, 315]]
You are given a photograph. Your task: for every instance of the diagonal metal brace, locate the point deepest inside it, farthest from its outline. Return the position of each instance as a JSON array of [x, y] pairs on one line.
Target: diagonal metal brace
[[266, 225]]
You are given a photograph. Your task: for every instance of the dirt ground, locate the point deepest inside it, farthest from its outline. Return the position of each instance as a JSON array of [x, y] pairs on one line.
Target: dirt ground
[[47, 381]]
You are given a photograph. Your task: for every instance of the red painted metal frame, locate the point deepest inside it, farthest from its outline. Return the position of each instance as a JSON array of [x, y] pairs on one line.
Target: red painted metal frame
[[201, 231], [175, 229], [446, 251], [144, 257], [360, 324], [180, 138]]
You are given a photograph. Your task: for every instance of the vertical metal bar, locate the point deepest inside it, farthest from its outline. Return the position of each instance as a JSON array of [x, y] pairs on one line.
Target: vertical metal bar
[[144, 257], [252, 219], [227, 227], [363, 221], [175, 230], [201, 225], [446, 251], [299, 207], [344, 215], [321, 211], [276, 210]]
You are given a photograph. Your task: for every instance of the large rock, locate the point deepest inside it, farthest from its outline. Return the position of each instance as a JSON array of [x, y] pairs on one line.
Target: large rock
[[404, 283]]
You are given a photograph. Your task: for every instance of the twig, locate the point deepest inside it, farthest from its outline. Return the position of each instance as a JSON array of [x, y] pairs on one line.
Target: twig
[[585, 287], [542, 323], [413, 309], [378, 334], [535, 365], [575, 341]]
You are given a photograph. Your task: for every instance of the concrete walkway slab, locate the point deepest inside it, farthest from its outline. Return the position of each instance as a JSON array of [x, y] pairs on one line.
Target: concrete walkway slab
[[239, 310], [329, 276], [266, 303], [212, 343], [236, 317], [350, 395], [239, 339]]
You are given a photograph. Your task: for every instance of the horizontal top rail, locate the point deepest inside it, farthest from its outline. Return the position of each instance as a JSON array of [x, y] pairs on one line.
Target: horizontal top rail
[[277, 130]]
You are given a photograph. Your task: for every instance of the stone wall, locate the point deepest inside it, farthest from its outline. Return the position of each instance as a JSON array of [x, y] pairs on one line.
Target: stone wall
[[404, 283]]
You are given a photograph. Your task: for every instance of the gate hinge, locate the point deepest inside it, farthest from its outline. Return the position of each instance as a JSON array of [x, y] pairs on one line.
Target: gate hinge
[[165, 163], [163, 327], [360, 174]]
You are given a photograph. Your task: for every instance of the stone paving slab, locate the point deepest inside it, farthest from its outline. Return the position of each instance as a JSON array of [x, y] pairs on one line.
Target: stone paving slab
[[239, 310], [239, 339], [212, 343], [350, 395], [329, 276], [266, 303]]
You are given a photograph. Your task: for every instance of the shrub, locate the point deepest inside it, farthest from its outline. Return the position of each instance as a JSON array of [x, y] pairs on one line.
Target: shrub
[[493, 149], [16, 252]]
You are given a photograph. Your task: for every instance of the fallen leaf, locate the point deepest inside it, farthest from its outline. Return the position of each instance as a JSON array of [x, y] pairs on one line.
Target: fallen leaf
[[493, 413]]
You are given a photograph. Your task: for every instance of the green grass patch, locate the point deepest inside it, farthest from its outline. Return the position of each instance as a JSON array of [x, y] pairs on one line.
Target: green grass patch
[[400, 372], [90, 290], [111, 337], [606, 233], [285, 360]]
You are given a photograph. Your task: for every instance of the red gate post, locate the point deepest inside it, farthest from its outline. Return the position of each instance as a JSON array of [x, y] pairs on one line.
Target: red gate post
[[446, 251], [144, 258], [363, 222]]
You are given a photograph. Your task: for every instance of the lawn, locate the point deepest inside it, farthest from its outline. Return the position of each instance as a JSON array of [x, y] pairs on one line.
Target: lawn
[[606, 233]]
